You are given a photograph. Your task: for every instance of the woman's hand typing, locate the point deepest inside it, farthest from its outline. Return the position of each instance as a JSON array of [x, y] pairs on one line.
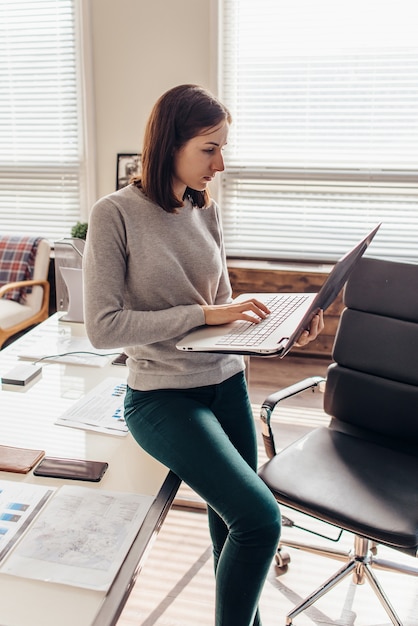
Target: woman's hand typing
[[255, 311], [251, 311]]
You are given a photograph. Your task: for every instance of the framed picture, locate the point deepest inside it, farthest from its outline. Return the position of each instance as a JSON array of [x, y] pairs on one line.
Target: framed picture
[[128, 165]]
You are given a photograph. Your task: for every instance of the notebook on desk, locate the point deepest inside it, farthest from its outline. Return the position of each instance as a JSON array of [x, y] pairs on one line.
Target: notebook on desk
[[291, 314]]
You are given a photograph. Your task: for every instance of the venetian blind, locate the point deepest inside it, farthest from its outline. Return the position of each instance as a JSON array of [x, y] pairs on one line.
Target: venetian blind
[[324, 140], [41, 135]]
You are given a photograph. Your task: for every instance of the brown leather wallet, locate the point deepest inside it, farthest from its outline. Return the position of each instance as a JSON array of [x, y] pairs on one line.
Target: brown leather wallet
[[19, 460]]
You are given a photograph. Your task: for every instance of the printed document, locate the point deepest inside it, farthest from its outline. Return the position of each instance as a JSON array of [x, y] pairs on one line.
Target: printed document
[[100, 410], [19, 505], [81, 538]]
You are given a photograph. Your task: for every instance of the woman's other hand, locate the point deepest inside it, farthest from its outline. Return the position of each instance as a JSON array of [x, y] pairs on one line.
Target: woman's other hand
[[316, 327]]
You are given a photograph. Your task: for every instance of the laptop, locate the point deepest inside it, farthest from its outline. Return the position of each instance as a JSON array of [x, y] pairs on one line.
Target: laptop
[[291, 314]]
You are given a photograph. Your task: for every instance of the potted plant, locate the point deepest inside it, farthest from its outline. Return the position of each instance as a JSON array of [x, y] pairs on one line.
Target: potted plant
[[79, 230]]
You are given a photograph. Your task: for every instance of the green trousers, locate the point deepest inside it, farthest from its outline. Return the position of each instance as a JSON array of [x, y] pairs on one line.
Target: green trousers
[[206, 436]]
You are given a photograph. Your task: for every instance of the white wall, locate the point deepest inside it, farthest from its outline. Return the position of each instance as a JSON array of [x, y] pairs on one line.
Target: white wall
[[140, 49]]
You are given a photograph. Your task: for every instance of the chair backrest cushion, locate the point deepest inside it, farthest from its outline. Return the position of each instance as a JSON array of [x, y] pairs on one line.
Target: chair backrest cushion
[[17, 262], [373, 383], [382, 287], [378, 345], [372, 403]]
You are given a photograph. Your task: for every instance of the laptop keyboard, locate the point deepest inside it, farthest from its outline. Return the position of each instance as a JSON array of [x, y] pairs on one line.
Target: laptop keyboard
[[249, 334]]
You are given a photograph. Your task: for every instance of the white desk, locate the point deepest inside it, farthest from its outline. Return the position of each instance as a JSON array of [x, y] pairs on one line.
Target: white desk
[[27, 420]]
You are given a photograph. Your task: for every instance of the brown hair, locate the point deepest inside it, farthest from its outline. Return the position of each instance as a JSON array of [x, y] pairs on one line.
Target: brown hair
[[178, 115]]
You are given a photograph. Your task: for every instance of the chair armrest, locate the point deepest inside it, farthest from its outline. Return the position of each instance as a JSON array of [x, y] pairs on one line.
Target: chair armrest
[[22, 284], [271, 402], [35, 317]]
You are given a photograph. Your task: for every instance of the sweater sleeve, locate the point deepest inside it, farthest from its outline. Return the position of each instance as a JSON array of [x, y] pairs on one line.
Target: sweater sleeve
[[108, 323]]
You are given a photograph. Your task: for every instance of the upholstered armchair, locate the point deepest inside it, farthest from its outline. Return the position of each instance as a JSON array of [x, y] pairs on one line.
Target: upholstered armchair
[[24, 286]]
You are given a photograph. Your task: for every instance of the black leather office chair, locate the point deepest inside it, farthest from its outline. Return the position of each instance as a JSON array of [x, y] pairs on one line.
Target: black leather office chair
[[360, 473]]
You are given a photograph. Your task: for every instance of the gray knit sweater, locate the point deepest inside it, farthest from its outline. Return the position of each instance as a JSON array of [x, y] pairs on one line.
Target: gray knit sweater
[[146, 272]]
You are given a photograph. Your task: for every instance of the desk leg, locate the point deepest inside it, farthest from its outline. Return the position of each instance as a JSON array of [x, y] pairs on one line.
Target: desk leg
[[122, 586]]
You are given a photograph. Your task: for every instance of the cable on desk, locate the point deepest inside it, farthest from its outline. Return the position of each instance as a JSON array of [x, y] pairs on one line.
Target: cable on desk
[[63, 354]]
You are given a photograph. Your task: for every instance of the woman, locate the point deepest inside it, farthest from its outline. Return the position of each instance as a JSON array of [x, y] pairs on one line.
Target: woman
[[154, 268]]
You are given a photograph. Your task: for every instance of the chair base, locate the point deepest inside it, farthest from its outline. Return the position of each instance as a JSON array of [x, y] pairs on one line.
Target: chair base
[[361, 565]]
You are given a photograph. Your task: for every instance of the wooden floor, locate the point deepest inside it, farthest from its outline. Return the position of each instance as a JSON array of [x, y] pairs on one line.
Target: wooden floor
[[176, 585]]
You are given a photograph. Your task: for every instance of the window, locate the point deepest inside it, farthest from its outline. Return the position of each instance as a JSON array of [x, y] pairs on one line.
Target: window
[[324, 142], [43, 176]]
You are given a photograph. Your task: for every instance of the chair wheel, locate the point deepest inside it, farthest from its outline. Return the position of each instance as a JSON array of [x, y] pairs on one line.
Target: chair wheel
[[280, 571], [282, 561], [282, 558]]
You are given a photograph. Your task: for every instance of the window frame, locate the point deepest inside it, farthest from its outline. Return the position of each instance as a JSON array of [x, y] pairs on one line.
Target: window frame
[[403, 182], [26, 190]]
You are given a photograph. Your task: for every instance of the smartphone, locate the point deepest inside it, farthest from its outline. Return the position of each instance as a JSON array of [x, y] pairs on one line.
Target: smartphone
[[75, 469], [120, 359]]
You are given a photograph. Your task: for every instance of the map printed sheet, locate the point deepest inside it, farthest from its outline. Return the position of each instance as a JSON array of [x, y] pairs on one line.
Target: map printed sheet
[[80, 538]]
